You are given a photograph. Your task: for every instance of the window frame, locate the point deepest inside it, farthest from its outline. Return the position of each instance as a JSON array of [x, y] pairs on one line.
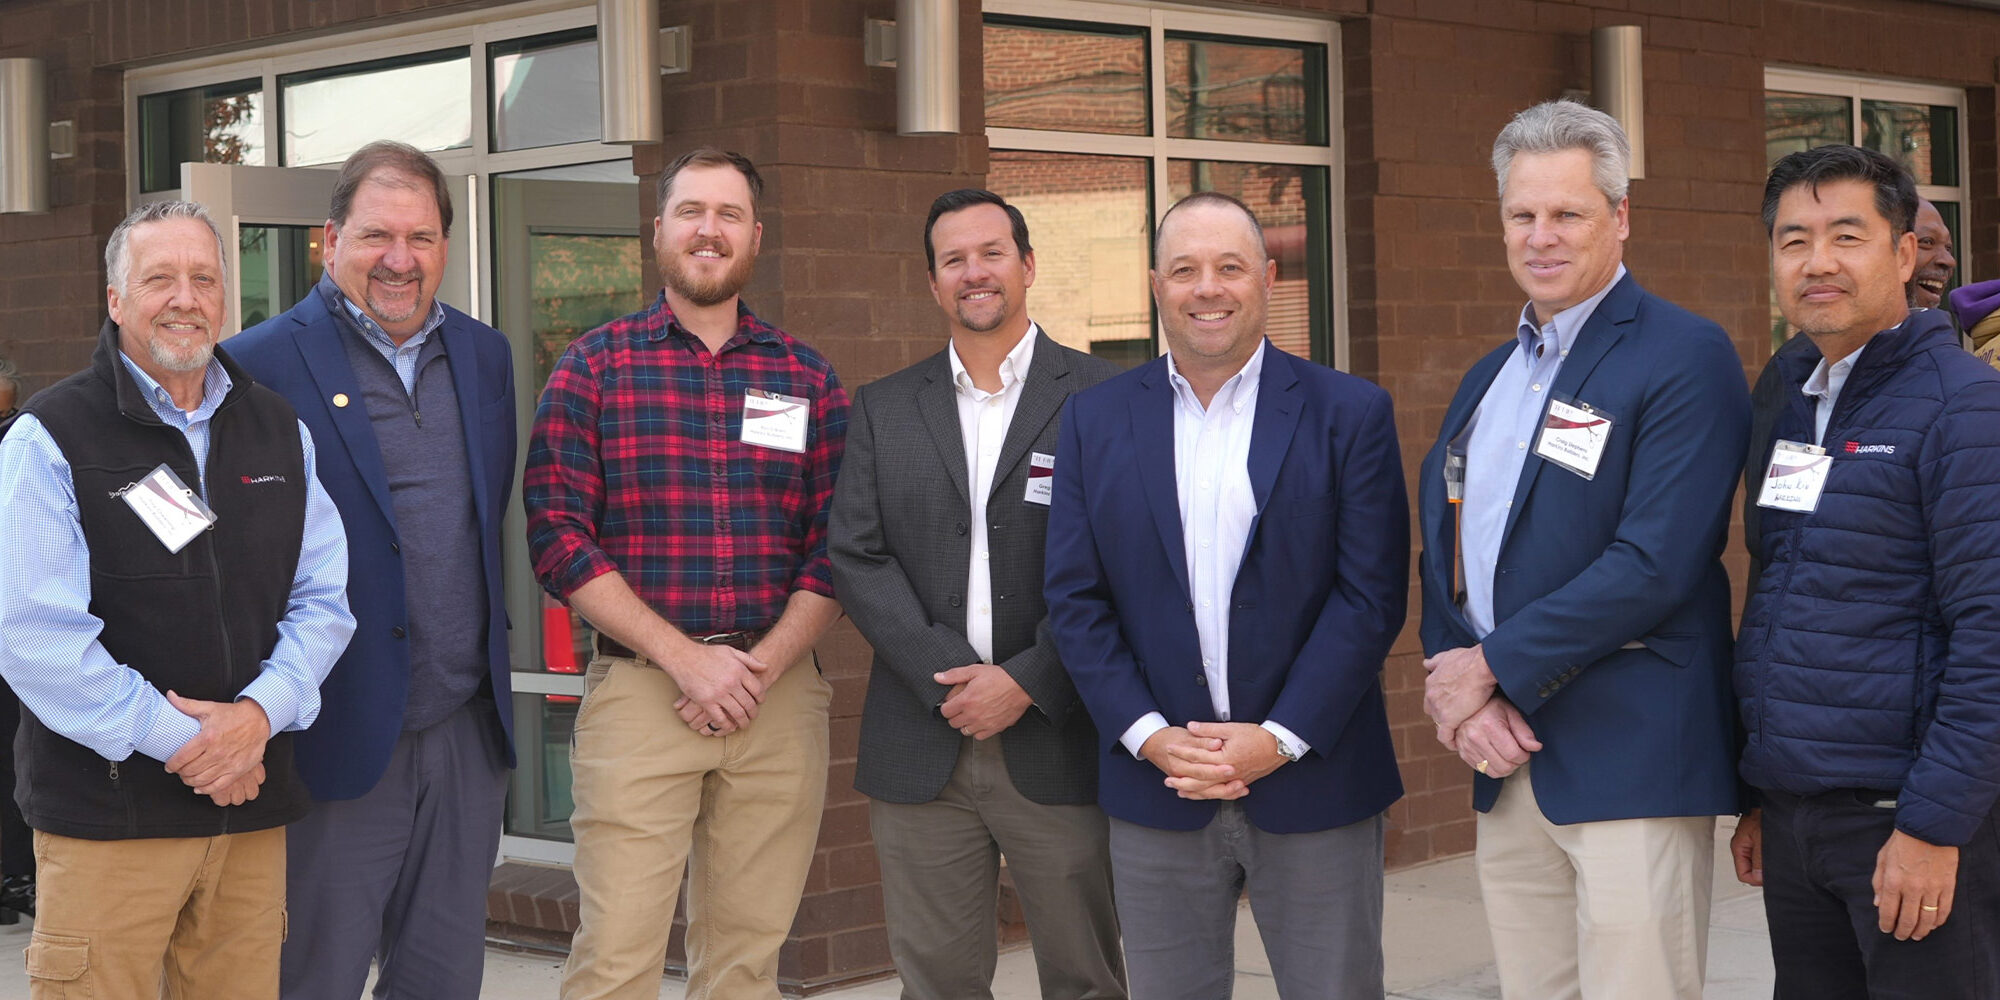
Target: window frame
[[1159, 148]]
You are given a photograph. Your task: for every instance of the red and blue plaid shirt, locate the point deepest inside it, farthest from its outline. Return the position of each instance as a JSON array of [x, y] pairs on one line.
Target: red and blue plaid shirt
[[637, 465]]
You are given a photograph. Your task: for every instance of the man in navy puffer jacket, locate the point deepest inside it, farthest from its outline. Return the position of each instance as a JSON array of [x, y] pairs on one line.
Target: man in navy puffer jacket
[[1868, 667]]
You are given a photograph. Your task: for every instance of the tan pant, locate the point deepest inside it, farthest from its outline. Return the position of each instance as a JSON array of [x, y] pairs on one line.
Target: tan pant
[[739, 812], [186, 918], [1611, 910]]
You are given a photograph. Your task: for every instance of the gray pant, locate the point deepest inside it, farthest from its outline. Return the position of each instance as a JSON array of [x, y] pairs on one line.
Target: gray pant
[[1317, 899], [940, 870], [401, 872]]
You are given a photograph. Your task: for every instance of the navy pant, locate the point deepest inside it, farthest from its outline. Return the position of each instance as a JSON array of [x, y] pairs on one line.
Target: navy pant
[[1819, 863]]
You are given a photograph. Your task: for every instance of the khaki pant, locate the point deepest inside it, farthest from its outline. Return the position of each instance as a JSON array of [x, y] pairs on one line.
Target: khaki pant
[[186, 918], [1611, 910], [740, 813]]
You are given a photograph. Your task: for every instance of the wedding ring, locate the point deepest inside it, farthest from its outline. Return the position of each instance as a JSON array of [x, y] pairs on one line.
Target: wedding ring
[[1481, 766]]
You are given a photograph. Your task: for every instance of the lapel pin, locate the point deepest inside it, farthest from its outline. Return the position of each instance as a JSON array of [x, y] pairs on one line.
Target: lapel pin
[[340, 399]]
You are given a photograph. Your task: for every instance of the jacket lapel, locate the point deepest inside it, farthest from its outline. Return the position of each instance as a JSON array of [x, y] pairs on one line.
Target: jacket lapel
[[1271, 429], [1612, 317], [1153, 443], [1042, 398], [317, 334], [939, 409]]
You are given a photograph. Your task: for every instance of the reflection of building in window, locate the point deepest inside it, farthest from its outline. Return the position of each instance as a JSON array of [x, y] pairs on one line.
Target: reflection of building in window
[[1088, 221], [1064, 79]]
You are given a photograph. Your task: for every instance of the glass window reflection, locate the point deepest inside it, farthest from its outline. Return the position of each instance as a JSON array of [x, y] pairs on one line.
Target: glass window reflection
[[1795, 122], [423, 100], [545, 90], [219, 124], [1245, 91], [1922, 137], [1055, 75], [1088, 217]]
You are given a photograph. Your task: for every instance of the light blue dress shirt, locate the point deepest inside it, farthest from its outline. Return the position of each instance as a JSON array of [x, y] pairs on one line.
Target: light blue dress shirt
[[402, 357], [1824, 387], [51, 654], [1502, 431]]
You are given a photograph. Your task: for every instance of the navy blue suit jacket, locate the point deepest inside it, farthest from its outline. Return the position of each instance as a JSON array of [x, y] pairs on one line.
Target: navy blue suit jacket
[[1318, 599], [1588, 567], [299, 354]]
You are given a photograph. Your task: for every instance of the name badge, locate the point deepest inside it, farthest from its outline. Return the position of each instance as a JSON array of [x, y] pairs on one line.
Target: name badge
[[1041, 478], [773, 420], [166, 505], [1795, 477], [1573, 435]]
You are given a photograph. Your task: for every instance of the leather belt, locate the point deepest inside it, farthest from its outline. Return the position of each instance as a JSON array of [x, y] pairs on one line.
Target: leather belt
[[744, 640]]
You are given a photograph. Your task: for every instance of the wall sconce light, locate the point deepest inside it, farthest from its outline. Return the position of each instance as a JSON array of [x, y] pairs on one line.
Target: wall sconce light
[[628, 70], [926, 67], [1618, 85], [24, 136]]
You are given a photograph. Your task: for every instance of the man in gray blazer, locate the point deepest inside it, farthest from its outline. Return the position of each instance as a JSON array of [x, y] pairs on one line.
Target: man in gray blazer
[[973, 744]]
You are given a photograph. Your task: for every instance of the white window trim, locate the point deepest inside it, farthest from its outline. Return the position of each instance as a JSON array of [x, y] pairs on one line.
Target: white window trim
[[1160, 148]]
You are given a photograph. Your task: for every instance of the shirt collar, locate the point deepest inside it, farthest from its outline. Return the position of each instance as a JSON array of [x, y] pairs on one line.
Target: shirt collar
[[373, 330], [1567, 324], [215, 384], [1826, 380], [748, 326], [1237, 391], [1013, 367]]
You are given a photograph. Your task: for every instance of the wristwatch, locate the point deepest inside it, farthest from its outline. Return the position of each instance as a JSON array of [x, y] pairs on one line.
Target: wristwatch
[[1285, 750]]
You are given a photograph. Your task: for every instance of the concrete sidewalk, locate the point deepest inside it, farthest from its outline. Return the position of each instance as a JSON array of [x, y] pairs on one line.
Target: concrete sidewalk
[[1434, 938]]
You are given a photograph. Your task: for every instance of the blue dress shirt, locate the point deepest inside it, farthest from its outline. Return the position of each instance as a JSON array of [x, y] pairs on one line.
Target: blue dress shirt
[[51, 654], [1503, 429]]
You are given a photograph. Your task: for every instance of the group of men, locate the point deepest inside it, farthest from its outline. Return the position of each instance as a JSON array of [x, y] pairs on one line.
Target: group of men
[[1128, 627]]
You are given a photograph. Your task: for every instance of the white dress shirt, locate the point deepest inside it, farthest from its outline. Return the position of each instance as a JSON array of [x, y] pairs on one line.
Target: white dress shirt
[[1212, 477], [1824, 385], [983, 418]]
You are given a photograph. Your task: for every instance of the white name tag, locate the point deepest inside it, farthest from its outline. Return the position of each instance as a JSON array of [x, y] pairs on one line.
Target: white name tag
[[173, 512], [1041, 478], [1795, 477], [772, 420], [1573, 436]]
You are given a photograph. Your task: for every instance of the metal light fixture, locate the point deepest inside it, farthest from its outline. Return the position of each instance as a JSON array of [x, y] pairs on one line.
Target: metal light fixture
[[24, 136], [1618, 85], [926, 67], [628, 70]]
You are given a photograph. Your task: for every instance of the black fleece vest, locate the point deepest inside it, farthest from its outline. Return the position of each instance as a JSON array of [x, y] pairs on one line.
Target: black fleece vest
[[198, 622]]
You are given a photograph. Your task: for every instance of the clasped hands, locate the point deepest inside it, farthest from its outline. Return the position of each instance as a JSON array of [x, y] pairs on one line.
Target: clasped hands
[[721, 687], [1213, 760], [225, 761], [1473, 718]]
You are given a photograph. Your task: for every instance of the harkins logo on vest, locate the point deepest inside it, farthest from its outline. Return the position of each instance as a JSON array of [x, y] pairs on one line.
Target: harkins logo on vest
[[1857, 448], [254, 480]]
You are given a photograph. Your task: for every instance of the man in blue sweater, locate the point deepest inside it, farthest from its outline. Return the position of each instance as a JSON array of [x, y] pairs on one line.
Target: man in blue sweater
[[1868, 666]]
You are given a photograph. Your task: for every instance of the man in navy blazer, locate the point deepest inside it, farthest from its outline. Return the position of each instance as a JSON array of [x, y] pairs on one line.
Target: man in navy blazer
[[412, 406], [1228, 544], [1575, 608]]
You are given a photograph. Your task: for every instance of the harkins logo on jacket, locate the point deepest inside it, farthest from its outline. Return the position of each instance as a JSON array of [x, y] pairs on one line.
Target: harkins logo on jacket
[[254, 480], [1857, 448]]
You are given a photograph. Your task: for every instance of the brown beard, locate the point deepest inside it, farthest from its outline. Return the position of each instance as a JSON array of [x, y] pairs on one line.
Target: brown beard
[[708, 292]]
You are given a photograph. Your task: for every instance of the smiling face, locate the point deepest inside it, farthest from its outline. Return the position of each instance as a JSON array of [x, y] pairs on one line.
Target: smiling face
[[1213, 286], [171, 309], [981, 279], [1564, 239], [1839, 268], [1935, 261], [388, 257], [707, 235]]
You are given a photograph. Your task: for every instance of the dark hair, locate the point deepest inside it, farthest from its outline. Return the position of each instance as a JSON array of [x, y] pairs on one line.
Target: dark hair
[[1895, 191], [709, 156], [964, 198], [396, 157], [1211, 198]]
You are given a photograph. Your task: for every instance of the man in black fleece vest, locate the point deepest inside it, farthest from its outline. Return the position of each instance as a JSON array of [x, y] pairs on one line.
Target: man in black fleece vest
[[172, 595]]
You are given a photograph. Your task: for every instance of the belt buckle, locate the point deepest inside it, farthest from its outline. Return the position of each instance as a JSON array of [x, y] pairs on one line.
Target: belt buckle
[[722, 638]]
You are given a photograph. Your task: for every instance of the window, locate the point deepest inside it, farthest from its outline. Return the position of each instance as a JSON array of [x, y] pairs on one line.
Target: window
[[1920, 126], [1101, 115], [219, 124]]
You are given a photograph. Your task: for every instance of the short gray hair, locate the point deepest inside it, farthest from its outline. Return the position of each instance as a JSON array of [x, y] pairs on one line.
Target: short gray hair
[[116, 252], [1555, 126]]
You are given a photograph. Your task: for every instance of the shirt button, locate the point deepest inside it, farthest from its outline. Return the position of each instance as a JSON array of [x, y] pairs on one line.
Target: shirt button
[[1204, 543], [993, 401], [983, 555], [1205, 602], [1537, 387], [984, 610], [1204, 484], [1520, 444], [1205, 662]]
